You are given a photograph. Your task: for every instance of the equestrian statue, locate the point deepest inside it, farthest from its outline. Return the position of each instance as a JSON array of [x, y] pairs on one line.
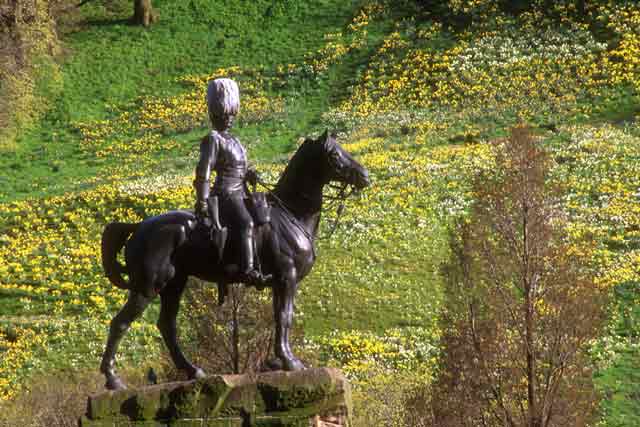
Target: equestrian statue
[[232, 236]]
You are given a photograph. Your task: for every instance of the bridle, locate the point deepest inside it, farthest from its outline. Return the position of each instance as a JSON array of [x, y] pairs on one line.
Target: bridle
[[345, 190]]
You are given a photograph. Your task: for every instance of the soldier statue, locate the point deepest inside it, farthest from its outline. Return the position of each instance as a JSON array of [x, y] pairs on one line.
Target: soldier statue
[[163, 251], [227, 199]]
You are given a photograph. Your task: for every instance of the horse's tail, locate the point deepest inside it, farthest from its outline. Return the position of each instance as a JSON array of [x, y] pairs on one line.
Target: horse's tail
[[114, 236]]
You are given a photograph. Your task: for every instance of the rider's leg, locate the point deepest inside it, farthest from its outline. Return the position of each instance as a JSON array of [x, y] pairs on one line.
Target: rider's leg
[[246, 249], [243, 222], [238, 217]]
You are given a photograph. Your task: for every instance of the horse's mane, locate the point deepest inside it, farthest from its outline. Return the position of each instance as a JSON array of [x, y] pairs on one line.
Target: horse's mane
[[307, 150]]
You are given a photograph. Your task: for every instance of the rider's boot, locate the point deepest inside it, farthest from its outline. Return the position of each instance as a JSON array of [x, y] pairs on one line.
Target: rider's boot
[[251, 274]]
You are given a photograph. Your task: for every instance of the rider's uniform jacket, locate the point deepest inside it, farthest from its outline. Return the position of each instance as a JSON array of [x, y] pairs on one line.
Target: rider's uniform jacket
[[228, 158]]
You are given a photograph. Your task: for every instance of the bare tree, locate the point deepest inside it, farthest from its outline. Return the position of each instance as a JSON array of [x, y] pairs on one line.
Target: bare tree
[[521, 304], [234, 338]]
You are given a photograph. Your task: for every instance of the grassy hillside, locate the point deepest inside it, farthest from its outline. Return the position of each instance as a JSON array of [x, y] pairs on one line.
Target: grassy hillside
[[113, 68], [417, 97]]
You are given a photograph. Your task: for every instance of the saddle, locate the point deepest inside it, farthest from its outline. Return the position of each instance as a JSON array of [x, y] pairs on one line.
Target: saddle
[[259, 208], [212, 231]]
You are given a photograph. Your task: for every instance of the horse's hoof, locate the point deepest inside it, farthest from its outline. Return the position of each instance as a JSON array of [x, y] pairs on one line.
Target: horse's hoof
[[272, 365], [197, 374], [293, 364], [115, 384]]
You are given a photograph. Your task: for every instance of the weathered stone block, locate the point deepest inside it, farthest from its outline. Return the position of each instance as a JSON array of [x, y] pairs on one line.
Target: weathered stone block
[[203, 398], [142, 424], [304, 394], [187, 423], [86, 422], [109, 404], [150, 405], [282, 421], [224, 422], [241, 399], [275, 399]]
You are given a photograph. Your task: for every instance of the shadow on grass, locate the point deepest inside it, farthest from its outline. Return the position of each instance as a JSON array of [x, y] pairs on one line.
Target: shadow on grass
[[109, 22]]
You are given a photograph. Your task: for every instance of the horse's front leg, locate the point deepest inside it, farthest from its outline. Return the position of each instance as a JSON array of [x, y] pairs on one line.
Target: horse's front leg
[[284, 294]]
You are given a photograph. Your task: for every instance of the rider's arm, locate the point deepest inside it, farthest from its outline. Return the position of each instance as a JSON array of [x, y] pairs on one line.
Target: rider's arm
[[203, 172]]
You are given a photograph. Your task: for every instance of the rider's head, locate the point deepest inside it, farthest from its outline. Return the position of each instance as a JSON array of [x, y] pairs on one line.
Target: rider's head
[[223, 100]]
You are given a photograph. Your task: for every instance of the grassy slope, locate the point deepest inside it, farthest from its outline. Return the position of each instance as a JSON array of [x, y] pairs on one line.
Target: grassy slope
[[110, 68], [111, 64], [620, 387]]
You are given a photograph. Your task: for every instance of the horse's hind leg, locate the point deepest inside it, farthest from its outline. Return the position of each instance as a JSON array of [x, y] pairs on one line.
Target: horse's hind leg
[[169, 305], [132, 309]]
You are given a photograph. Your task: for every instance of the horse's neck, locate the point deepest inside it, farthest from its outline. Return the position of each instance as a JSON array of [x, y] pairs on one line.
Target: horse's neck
[[303, 198]]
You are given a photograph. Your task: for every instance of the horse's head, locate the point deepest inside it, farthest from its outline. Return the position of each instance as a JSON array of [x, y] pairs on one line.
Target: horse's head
[[338, 164], [316, 163]]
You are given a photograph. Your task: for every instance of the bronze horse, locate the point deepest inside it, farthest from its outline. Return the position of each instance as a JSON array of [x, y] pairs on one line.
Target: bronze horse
[[162, 251]]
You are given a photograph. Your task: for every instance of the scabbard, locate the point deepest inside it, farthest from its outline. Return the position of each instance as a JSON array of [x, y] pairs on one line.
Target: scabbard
[[218, 233], [214, 211]]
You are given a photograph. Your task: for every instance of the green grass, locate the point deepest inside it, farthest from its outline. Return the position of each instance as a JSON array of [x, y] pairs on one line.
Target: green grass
[[619, 385], [110, 64], [373, 286], [109, 67]]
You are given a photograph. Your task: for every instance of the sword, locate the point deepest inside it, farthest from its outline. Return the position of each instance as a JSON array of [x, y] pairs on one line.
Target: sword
[[218, 232]]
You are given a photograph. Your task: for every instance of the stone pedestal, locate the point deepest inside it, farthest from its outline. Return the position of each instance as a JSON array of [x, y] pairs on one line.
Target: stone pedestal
[[310, 398]]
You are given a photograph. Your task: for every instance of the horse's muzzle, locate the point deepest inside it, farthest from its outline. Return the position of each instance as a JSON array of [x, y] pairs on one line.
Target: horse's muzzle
[[362, 179]]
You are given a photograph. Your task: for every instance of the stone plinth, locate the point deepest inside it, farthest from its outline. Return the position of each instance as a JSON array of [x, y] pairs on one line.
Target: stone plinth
[[310, 398]]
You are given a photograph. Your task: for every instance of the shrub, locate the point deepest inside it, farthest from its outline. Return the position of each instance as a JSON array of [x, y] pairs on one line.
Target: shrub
[[392, 398], [28, 72], [233, 338], [53, 400]]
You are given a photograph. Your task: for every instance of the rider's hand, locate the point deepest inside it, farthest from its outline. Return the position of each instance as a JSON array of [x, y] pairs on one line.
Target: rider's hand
[[252, 177]]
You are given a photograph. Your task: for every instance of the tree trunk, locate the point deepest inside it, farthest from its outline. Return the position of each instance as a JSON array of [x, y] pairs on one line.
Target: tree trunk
[[235, 339], [581, 8], [143, 13]]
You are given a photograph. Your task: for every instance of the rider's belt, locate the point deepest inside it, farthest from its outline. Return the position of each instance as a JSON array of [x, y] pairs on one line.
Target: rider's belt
[[228, 184], [237, 171]]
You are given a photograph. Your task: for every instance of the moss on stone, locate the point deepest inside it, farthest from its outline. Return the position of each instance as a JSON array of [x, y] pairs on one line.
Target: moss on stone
[[109, 404], [184, 400], [215, 391], [273, 399], [224, 422], [280, 399], [150, 406], [241, 400], [187, 423], [86, 422]]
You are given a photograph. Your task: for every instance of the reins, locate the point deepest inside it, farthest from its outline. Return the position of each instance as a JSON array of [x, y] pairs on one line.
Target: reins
[[340, 199]]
